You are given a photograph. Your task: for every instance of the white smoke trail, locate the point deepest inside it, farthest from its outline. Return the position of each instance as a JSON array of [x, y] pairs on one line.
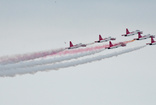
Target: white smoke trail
[[35, 69], [47, 61], [24, 57]]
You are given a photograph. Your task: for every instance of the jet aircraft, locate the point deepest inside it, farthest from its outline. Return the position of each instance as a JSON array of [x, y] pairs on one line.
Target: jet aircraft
[[131, 33], [140, 37], [71, 46], [111, 46], [104, 39]]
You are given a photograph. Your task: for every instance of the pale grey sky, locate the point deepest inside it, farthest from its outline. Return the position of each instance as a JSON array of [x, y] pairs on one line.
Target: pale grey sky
[[37, 25]]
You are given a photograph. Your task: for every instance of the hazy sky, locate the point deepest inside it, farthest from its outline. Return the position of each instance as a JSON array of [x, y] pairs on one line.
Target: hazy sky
[[37, 25]]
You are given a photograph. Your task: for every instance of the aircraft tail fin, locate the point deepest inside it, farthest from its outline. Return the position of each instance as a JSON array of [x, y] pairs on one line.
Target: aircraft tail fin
[[100, 37], [139, 35], [71, 44], [110, 43], [127, 31], [152, 40]]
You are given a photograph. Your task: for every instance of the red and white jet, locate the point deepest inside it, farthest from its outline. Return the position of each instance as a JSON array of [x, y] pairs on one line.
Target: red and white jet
[[76, 46], [143, 37], [152, 42], [111, 46], [104, 39], [131, 33]]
